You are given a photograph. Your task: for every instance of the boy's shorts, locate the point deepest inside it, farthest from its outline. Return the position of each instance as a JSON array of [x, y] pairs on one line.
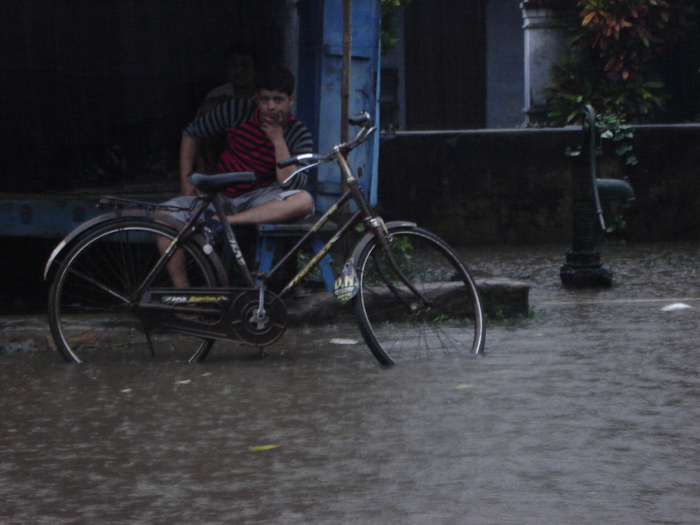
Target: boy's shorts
[[232, 205]]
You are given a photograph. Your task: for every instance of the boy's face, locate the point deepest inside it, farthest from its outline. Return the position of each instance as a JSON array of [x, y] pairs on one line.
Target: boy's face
[[274, 105]]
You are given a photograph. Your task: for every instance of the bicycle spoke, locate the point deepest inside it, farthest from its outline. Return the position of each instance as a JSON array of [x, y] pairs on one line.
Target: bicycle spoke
[[437, 312], [93, 311]]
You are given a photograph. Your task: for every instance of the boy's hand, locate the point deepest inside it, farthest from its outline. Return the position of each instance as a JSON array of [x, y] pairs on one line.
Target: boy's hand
[[272, 125]]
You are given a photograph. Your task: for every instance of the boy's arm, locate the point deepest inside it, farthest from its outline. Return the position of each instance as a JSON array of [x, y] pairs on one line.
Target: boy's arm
[[275, 132], [219, 120], [188, 153]]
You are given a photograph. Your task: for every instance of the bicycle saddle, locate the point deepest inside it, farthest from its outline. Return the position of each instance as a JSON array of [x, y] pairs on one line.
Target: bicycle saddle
[[214, 183]]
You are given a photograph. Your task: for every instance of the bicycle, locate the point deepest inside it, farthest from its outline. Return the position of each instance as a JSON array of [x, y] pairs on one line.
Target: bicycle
[[111, 292]]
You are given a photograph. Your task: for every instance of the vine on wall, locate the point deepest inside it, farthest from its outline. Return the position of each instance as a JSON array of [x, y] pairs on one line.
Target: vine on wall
[[389, 10]]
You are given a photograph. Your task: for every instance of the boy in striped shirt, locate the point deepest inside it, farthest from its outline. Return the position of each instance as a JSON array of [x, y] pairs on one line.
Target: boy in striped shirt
[[259, 133]]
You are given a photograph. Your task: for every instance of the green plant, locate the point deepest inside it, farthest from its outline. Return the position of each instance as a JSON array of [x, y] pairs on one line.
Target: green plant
[[574, 84], [389, 10], [621, 135], [500, 318], [612, 49], [618, 227], [532, 313], [442, 319]]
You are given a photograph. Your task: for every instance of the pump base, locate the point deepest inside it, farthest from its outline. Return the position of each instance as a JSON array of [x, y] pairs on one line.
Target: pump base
[[593, 276]]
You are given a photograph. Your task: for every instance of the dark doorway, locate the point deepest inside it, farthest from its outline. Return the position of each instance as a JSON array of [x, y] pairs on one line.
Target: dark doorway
[[445, 50], [97, 90]]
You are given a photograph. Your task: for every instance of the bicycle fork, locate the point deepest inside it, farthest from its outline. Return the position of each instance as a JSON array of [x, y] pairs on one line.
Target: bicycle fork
[[376, 224]]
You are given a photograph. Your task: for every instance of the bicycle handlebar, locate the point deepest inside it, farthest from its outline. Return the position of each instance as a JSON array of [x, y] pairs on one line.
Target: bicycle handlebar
[[299, 159], [363, 119], [309, 160]]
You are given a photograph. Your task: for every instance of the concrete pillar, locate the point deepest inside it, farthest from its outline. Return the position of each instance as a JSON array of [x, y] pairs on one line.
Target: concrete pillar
[[543, 24]]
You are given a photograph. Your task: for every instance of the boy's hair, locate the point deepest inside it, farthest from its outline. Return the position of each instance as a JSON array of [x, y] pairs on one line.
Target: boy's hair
[[277, 78]]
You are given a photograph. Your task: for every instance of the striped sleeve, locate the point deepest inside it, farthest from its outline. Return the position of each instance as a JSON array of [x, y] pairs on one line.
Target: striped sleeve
[[299, 141], [222, 118], [298, 138]]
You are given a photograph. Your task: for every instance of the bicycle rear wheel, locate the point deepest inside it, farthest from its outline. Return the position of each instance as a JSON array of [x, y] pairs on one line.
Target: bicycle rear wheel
[[396, 324], [93, 312]]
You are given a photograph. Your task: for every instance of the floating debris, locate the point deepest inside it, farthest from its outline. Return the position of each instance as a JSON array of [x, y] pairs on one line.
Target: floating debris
[[262, 448], [339, 341], [675, 306]]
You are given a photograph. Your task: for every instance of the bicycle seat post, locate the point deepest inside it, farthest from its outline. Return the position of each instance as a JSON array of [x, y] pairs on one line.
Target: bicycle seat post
[[260, 313]]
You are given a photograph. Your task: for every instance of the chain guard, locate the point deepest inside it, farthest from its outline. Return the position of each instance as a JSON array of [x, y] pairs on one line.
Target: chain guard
[[258, 331]]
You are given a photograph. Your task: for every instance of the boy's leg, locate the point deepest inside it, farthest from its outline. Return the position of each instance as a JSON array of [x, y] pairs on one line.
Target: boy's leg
[[290, 207], [176, 265], [270, 204]]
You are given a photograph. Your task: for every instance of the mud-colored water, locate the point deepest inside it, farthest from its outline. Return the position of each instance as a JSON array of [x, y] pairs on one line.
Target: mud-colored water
[[588, 412]]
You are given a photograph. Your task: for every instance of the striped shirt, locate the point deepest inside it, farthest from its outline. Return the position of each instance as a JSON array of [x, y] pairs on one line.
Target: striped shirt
[[247, 146]]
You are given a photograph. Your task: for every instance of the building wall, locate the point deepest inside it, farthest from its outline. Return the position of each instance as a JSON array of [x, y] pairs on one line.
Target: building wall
[[445, 61], [514, 186], [505, 98], [455, 58]]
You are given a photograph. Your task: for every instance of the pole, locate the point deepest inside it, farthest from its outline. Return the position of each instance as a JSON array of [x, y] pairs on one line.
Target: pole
[[347, 64], [345, 91]]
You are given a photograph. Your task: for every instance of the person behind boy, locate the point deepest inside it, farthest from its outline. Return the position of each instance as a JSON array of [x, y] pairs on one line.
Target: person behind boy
[[240, 71]]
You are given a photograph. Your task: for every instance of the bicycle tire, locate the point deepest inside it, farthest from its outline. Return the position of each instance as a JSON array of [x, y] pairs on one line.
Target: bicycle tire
[[395, 324], [92, 311]]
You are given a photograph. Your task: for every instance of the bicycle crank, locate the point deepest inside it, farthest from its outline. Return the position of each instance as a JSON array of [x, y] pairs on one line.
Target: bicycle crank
[[255, 325]]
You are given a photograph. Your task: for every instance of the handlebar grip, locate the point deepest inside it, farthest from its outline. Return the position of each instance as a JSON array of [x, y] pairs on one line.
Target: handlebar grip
[[288, 162], [363, 119], [303, 160]]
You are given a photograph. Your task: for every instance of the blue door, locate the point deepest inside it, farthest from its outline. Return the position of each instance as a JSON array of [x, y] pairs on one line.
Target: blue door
[[319, 84]]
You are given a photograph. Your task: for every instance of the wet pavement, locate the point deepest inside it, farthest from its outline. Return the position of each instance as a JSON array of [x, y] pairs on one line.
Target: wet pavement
[[588, 411]]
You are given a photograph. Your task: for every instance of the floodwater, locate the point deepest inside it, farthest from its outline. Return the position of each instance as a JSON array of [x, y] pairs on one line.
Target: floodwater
[[587, 412]]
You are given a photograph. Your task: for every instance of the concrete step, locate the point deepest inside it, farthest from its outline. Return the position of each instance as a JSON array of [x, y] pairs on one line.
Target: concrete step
[[502, 298]]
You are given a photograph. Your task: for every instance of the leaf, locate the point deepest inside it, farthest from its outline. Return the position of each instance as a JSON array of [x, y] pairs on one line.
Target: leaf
[[573, 98], [587, 19], [263, 448], [622, 149]]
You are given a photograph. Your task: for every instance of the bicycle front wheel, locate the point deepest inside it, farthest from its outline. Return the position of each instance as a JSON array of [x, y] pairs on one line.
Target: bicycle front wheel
[[442, 315], [93, 312]]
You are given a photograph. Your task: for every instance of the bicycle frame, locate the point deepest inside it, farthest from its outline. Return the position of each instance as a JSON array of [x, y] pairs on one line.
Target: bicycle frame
[[256, 281], [363, 215], [139, 287]]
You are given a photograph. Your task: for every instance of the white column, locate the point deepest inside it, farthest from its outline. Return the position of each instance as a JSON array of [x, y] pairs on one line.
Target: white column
[[543, 24]]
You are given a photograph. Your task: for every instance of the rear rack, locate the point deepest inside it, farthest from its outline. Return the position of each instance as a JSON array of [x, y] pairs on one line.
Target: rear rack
[[120, 203]]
